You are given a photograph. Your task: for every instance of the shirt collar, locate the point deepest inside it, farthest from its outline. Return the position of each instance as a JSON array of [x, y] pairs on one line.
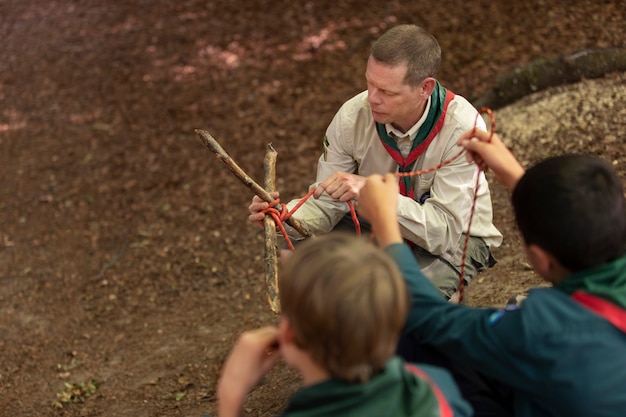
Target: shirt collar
[[412, 132]]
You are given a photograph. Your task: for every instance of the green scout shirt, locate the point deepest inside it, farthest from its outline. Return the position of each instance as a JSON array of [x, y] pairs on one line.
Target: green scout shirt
[[397, 391], [560, 357]]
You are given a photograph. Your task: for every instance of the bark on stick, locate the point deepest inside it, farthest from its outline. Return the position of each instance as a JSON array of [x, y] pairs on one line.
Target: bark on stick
[[221, 154], [271, 243]]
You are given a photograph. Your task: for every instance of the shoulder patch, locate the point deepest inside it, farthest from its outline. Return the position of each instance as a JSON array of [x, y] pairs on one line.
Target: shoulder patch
[[497, 315]]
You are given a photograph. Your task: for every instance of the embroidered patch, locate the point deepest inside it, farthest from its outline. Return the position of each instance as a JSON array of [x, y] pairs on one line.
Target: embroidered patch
[[497, 315]]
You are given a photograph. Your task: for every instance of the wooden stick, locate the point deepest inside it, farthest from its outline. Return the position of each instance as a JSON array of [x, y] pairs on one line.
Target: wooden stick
[[221, 154], [271, 244]]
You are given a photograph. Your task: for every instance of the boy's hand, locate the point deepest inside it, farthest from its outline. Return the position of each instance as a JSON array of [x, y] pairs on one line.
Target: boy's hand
[[253, 356], [494, 155], [378, 203]]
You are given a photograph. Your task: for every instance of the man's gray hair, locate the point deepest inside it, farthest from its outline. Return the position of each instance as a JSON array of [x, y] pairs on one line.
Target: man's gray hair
[[410, 45]]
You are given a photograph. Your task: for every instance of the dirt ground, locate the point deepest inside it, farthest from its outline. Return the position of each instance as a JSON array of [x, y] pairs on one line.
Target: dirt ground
[[127, 266]]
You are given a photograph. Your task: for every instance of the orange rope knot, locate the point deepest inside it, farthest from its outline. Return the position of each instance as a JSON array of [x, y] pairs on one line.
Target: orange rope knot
[[279, 218]]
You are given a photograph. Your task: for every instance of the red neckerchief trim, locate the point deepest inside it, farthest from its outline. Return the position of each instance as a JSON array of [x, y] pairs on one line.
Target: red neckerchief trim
[[444, 406], [612, 313]]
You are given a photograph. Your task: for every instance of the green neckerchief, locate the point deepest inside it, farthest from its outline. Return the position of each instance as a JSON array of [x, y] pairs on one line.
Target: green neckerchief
[[607, 281]]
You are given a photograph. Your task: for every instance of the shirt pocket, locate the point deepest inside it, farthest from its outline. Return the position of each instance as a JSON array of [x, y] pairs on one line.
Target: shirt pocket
[[421, 186]]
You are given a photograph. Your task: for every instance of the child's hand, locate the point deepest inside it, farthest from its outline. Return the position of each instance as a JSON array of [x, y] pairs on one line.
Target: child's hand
[[378, 203], [253, 356], [492, 154]]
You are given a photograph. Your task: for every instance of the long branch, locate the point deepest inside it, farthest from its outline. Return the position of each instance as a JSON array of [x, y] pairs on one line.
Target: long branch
[[221, 154]]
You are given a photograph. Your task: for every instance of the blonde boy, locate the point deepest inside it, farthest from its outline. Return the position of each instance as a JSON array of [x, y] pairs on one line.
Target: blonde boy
[[344, 304]]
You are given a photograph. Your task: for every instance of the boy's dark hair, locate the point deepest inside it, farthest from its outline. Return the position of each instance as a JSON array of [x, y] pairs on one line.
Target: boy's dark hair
[[573, 207]]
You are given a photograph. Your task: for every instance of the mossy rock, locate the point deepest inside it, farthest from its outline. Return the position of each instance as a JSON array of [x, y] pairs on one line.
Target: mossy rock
[[544, 73]]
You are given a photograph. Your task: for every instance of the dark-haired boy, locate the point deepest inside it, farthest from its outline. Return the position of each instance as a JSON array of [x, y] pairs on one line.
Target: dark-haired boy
[[563, 352]]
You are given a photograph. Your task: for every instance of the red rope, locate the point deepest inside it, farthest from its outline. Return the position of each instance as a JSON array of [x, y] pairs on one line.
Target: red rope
[[481, 167], [281, 216], [355, 219]]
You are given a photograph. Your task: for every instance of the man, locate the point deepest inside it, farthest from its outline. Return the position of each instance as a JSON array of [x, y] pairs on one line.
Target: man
[[406, 121]]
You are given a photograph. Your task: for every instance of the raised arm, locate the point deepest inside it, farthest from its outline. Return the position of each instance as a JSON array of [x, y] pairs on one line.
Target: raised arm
[[252, 357], [378, 202]]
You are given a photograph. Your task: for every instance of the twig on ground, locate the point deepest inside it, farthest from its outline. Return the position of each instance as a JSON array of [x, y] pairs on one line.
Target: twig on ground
[[112, 261]]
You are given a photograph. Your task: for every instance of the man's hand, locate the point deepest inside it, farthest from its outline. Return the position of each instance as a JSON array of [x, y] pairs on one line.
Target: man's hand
[[257, 206], [253, 356], [494, 155], [341, 186], [378, 203]]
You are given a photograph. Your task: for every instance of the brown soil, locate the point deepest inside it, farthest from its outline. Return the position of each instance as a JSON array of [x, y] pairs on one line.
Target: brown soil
[[127, 266]]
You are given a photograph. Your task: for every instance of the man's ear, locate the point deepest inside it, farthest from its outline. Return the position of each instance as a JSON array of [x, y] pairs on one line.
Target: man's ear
[[427, 86]]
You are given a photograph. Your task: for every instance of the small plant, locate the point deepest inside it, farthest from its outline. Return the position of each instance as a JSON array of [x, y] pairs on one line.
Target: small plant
[[75, 393]]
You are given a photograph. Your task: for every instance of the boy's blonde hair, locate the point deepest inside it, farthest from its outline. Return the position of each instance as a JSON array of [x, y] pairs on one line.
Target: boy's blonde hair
[[347, 303]]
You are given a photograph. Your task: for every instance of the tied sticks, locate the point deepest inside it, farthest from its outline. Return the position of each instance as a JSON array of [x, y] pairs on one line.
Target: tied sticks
[[270, 226], [271, 246]]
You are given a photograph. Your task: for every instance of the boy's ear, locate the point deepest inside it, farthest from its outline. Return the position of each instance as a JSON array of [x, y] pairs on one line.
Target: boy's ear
[[545, 264], [285, 331], [537, 258]]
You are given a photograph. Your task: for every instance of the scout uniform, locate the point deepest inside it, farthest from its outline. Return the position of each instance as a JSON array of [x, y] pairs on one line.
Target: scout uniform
[[434, 207], [400, 390], [563, 352]]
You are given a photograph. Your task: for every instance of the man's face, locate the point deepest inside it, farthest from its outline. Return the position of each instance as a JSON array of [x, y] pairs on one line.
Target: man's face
[[393, 101]]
